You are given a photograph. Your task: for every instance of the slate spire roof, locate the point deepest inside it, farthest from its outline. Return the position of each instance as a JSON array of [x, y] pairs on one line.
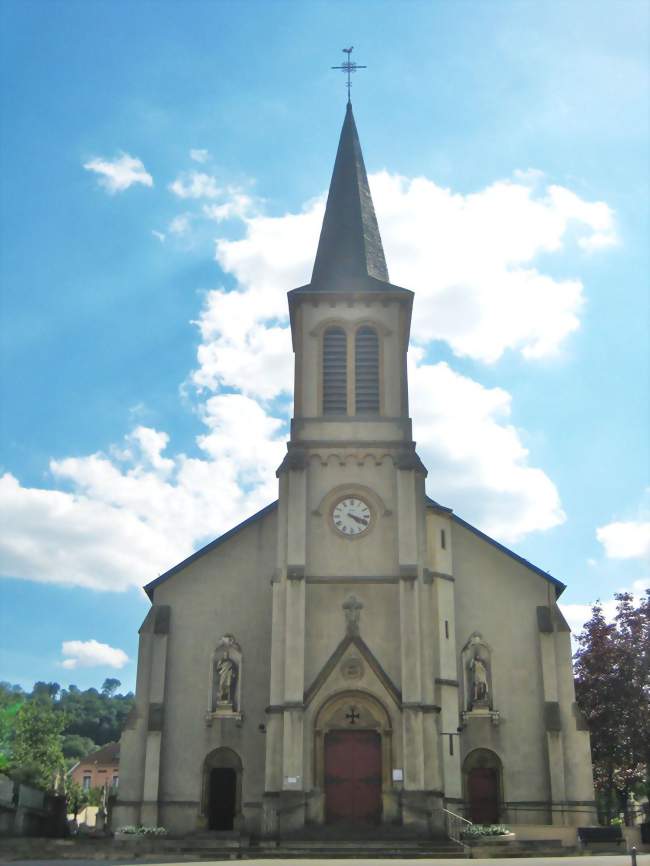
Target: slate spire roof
[[350, 248]]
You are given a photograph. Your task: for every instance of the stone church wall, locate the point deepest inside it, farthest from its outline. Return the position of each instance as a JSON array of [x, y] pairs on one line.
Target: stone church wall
[[226, 591], [379, 625], [498, 598]]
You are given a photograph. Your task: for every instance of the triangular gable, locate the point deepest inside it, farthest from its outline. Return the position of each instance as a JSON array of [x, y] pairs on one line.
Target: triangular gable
[[370, 659], [431, 503]]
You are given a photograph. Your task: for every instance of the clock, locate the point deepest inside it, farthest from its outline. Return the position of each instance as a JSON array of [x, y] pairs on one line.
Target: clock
[[351, 516]]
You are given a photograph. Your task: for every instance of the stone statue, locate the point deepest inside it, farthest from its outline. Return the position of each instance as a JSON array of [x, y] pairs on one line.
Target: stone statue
[[226, 673], [479, 680]]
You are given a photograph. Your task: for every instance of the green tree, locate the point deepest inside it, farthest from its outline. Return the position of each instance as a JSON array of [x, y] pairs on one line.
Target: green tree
[[45, 691], [76, 798], [76, 747], [11, 698], [612, 667], [98, 716], [36, 755], [110, 686], [10, 694]]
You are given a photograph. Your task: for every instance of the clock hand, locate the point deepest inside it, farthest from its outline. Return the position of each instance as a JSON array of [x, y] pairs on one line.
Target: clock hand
[[358, 519]]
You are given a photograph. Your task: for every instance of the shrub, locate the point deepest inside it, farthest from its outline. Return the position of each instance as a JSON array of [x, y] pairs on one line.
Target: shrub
[[478, 830], [131, 830]]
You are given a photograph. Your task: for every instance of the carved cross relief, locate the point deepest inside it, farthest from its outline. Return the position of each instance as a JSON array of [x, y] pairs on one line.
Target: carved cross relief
[[352, 715]]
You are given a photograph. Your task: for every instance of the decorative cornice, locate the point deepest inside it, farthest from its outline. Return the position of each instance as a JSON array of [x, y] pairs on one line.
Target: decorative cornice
[[552, 716], [408, 460], [287, 705], [155, 717], [423, 708], [362, 578], [295, 460], [295, 572], [439, 681], [408, 572], [544, 621]]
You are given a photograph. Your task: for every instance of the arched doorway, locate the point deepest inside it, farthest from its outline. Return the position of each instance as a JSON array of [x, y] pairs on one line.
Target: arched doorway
[[222, 777], [353, 758], [482, 776]]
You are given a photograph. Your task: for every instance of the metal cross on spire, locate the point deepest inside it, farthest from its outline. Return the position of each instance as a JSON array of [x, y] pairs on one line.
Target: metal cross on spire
[[349, 66]]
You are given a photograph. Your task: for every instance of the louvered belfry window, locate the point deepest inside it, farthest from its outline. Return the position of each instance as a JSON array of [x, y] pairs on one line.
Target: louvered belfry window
[[335, 372], [366, 366]]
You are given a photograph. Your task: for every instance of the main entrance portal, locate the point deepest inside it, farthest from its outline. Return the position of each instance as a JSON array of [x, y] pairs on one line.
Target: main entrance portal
[[353, 777]]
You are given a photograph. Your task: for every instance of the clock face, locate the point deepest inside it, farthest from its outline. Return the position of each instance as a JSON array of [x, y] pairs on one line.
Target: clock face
[[351, 516]]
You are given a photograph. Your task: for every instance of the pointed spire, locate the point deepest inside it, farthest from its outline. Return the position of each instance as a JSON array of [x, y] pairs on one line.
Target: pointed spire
[[350, 247]]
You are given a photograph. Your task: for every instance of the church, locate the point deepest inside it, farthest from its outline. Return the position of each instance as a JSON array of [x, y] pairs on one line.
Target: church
[[355, 654]]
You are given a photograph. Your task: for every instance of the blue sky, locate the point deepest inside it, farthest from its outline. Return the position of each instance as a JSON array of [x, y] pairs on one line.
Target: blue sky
[[163, 170]]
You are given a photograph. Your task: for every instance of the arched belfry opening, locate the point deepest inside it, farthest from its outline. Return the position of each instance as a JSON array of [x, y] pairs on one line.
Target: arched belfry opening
[[483, 786], [352, 755], [366, 371], [222, 786], [335, 371]]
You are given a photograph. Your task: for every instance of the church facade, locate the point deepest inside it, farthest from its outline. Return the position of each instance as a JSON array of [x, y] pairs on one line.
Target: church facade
[[355, 653]]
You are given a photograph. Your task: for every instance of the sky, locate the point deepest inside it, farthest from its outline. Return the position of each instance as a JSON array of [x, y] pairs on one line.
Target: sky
[[164, 169]]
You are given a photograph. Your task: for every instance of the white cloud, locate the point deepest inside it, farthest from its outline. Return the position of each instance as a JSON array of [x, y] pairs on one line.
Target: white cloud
[[195, 184], [91, 654], [180, 225], [130, 516], [199, 154], [625, 539], [120, 174], [238, 205], [475, 457], [123, 517], [471, 259], [578, 614], [159, 235]]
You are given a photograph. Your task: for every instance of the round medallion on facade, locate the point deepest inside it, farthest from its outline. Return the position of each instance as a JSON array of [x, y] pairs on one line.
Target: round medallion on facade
[[351, 516], [352, 668]]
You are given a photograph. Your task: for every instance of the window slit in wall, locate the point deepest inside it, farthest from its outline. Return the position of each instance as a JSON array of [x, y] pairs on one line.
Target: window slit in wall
[[447, 629], [443, 539]]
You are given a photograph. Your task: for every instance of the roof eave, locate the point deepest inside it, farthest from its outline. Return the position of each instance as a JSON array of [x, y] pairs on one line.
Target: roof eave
[[151, 586], [559, 586]]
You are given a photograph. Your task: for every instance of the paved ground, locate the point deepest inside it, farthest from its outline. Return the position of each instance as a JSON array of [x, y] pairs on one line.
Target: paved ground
[[600, 860]]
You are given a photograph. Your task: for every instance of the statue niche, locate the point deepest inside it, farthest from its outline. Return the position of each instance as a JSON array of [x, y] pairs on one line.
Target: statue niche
[[480, 693], [477, 675], [225, 680], [225, 673]]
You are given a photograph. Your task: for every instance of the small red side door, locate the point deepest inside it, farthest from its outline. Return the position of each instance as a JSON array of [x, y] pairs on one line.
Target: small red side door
[[483, 795], [353, 777]]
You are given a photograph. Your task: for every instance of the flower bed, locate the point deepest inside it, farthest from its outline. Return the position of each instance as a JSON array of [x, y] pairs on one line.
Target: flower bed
[[479, 831], [147, 832]]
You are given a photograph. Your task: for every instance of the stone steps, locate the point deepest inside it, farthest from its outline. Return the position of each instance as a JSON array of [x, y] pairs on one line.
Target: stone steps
[[328, 848]]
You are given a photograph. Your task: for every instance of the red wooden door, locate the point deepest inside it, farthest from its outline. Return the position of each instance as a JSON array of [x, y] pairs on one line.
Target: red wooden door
[[353, 777], [483, 794]]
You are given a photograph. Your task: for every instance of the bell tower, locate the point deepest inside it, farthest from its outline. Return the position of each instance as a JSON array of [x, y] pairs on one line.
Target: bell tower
[[351, 523]]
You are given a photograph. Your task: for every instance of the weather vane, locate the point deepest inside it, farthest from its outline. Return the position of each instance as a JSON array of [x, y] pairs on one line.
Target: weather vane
[[349, 66]]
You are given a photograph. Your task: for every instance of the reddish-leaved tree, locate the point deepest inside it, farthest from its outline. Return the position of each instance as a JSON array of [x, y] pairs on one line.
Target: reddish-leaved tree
[[612, 668]]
